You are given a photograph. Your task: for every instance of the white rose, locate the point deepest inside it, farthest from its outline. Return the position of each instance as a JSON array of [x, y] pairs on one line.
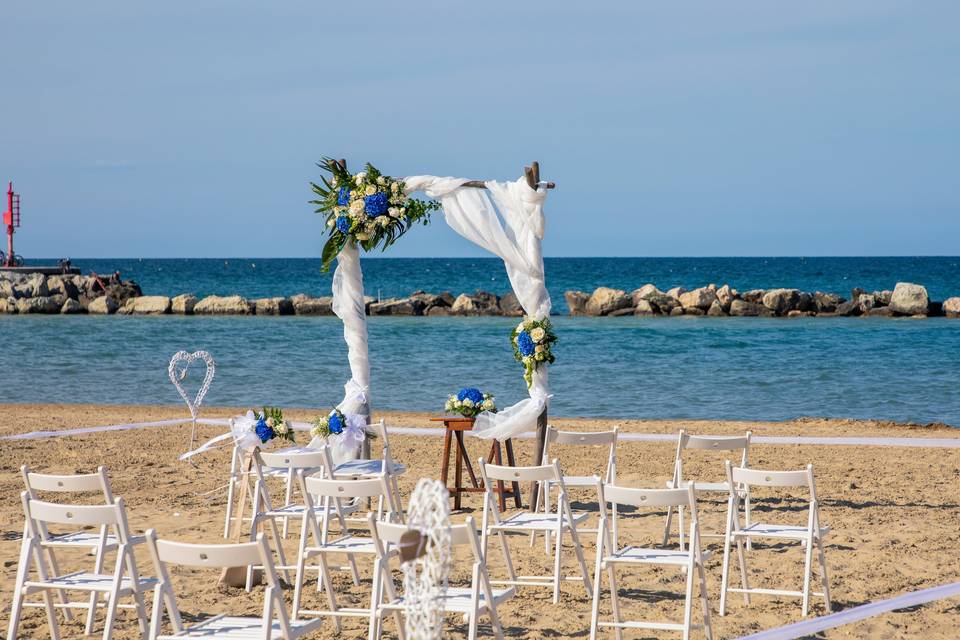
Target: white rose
[[282, 428], [488, 405], [371, 190], [356, 206], [363, 236], [467, 402], [359, 177], [394, 187], [539, 349], [527, 359], [381, 180], [331, 222], [333, 181], [271, 423], [538, 334], [394, 212], [520, 327]]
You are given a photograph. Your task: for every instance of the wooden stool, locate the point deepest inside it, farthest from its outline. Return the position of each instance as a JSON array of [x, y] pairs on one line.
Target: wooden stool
[[454, 430]]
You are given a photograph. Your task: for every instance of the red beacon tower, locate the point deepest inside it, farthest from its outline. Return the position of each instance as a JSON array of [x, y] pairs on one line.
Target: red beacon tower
[[11, 220]]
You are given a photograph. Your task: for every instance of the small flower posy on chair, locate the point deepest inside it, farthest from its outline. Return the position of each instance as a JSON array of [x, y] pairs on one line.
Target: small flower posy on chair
[[470, 402], [368, 207], [270, 424], [532, 341]]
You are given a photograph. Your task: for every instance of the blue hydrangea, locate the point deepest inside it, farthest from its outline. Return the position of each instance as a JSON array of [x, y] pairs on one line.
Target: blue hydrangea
[[264, 432], [343, 198], [525, 344], [343, 224], [335, 424], [376, 205], [473, 394]]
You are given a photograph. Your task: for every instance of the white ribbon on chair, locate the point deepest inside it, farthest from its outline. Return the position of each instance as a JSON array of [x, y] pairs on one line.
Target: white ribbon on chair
[[473, 213]]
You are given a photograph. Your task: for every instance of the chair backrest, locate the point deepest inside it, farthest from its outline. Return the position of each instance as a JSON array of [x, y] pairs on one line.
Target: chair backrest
[[215, 556], [39, 514], [520, 474], [367, 488], [585, 438], [293, 460], [685, 497], [460, 534], [73, 483], [709, 443], [379, 429], [764, 478]]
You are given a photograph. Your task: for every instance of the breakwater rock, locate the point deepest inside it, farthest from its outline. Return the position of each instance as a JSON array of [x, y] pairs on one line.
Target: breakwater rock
[[64, 294], [906, 299]]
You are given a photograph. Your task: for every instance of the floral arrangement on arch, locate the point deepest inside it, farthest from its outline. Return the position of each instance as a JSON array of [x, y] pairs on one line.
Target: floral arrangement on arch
[[368, 207], [470, 403], [532, 345]]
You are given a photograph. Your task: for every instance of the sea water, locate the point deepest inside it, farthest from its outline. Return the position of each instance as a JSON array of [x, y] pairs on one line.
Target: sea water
[[627, 367]]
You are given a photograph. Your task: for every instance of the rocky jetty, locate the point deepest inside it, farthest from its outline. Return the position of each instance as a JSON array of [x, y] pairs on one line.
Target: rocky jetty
[[37, 293], [906, 299]]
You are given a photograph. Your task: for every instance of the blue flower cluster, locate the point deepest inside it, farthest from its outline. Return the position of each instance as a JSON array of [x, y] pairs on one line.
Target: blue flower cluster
[[343, 224], [473, 394], [343, 197], [264, 432], [525, 344], [335, 424], [376, 205]]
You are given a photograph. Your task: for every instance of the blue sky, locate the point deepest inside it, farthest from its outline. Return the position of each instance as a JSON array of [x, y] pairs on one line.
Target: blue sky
[[701, 128]]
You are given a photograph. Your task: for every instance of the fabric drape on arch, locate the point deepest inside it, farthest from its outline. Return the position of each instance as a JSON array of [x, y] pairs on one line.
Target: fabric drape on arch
[[473, 213]]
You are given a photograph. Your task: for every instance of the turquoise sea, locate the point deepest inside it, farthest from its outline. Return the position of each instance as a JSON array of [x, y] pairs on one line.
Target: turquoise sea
[[734, 368]]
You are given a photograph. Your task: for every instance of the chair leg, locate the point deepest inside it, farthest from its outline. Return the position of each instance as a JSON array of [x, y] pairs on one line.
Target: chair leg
[[392, 595], [376, 598], [111, 615], [328, 586], [746, 516], [279, 542], [680, 523], [301, 567], [595, 604], [614, 600], [61, 594], [495, 621], [287, 498], [141, 614], [578, 549], [557, 568], [807, 568], [725, 572], [666, 526], [688, 602], [16, 608], [230, 487], [705, 600], [823, 575], [744, 581]]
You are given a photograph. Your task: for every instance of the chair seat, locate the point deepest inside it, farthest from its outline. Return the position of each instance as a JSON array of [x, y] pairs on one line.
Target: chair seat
[[639, 555], [758, 529], [80, 539], [368, 467], [86, 539], [241, 628], [88, 581], [347, 544], [537, 521], [458, 599], [297, 510], [701, 486]]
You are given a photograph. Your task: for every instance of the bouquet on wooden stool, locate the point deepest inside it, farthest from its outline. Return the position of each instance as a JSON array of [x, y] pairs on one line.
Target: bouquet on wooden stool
[[470, 402]]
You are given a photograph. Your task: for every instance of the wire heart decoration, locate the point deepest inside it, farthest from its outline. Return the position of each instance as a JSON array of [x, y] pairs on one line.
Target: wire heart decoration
[[179, 365]]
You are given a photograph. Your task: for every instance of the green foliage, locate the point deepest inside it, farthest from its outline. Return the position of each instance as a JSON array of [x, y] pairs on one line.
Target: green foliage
[[355, 225]]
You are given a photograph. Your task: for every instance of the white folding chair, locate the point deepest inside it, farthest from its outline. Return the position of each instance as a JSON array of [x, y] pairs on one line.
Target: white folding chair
[[610, 555], [347, 544], [372, 468], [808, 536], [124, 581], [297, 465], [477, 600], [686, 441], [608, 473], [274, 624], [97, 542], [564, 521]]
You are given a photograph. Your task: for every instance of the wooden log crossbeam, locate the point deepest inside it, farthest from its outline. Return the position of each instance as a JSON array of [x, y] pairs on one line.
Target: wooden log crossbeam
[[531, 172]]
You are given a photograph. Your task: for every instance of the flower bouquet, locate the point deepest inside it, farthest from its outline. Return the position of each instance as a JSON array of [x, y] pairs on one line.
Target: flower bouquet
[[368, 207], [470, 403], [352, 427], [254, 429], [532, 341]]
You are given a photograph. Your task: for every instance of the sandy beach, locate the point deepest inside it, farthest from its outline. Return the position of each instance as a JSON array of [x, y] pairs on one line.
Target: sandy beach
[[894, 514]]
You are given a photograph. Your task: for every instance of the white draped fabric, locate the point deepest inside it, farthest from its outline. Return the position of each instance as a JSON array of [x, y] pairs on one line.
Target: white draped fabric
[[516, 240]]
